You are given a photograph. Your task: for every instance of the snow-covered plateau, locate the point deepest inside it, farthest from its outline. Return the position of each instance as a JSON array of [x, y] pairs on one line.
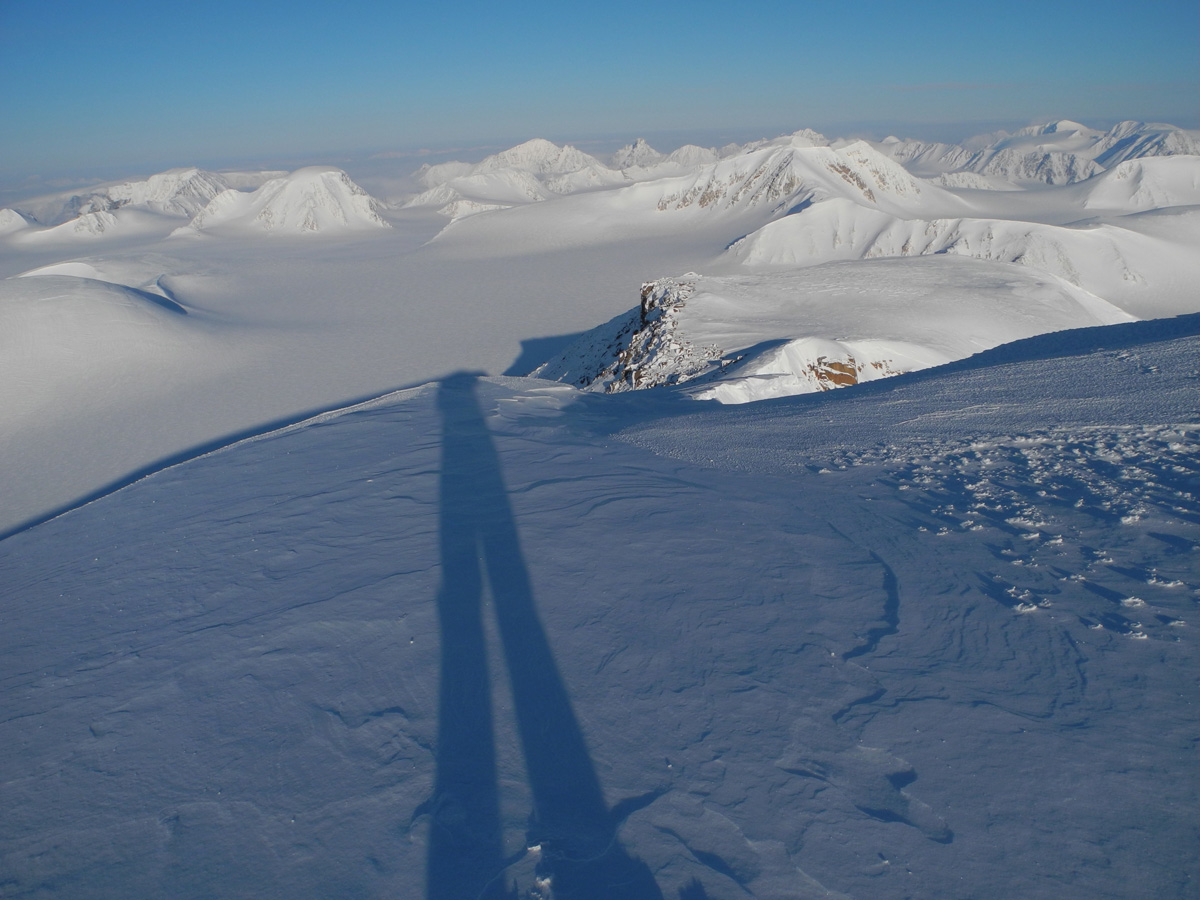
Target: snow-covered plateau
[[366, 542]]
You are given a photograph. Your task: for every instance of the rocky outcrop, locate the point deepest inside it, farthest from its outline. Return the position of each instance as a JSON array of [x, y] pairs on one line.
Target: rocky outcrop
[[638, 350]]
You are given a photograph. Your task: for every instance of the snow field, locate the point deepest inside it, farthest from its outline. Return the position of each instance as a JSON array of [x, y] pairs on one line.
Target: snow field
[[929, 637], [801, 675]]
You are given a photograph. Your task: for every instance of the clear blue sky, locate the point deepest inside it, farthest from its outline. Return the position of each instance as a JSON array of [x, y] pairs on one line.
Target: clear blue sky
[[89, 83]]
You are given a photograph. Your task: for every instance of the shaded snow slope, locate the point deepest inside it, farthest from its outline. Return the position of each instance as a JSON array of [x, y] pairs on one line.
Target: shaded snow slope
[[747, 337], [931, 637], [309, 200]]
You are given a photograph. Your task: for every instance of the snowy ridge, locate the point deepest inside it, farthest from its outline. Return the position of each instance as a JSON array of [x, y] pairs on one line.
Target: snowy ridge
[[472, 193], [1136, 185], [182, 192], [781, 177], [1049, 167], [1134, 140], [638, 350], [538, 157], [99, 225], [309, 200], [981, 582], [538, 170], [639, 154], [11, 220], [1112, 258], [176, 192], [1055, 153], [528, 173], [746, 337]]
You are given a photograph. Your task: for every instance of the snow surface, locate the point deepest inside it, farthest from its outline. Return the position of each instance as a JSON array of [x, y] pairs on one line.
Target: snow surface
[[926, 636], [811, 329], [930, 637]]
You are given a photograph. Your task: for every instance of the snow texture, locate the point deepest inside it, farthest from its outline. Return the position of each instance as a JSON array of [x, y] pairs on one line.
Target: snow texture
[[453, 641], [295, 601]]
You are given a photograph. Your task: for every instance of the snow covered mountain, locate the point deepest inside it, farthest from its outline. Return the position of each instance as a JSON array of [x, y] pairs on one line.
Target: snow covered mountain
[[129, 209], [529, 172], [1054, 153], [638, 154], [176, 192], [748, 337], [1120, 242], [309, 200], [11, 220], [182, 192], [783, 178], [1114, 257]]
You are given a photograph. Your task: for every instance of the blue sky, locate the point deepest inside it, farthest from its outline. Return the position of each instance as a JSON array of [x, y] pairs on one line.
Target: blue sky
[[131, 83]]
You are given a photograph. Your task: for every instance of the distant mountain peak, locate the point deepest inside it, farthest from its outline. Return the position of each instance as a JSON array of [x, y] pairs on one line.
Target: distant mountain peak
[[308, 200], [639, 153]]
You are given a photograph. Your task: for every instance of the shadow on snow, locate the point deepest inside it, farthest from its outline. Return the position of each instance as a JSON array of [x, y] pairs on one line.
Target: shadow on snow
[[575, 830]]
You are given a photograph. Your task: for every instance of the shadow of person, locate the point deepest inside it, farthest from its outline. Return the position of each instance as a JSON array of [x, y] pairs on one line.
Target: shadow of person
[[570, 823]]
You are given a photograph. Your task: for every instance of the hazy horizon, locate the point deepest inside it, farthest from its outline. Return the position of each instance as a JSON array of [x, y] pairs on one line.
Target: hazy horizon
[[401, 160], [134, 86]]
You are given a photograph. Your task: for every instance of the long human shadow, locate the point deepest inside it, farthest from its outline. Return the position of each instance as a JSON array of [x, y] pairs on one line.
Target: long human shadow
[[576, 832]]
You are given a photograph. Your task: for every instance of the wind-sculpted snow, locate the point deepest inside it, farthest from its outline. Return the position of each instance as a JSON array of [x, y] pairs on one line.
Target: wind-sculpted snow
[[748, 337], [931, 637]]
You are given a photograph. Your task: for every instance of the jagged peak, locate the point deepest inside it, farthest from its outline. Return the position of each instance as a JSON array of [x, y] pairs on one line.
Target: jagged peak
[[639, 153]]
